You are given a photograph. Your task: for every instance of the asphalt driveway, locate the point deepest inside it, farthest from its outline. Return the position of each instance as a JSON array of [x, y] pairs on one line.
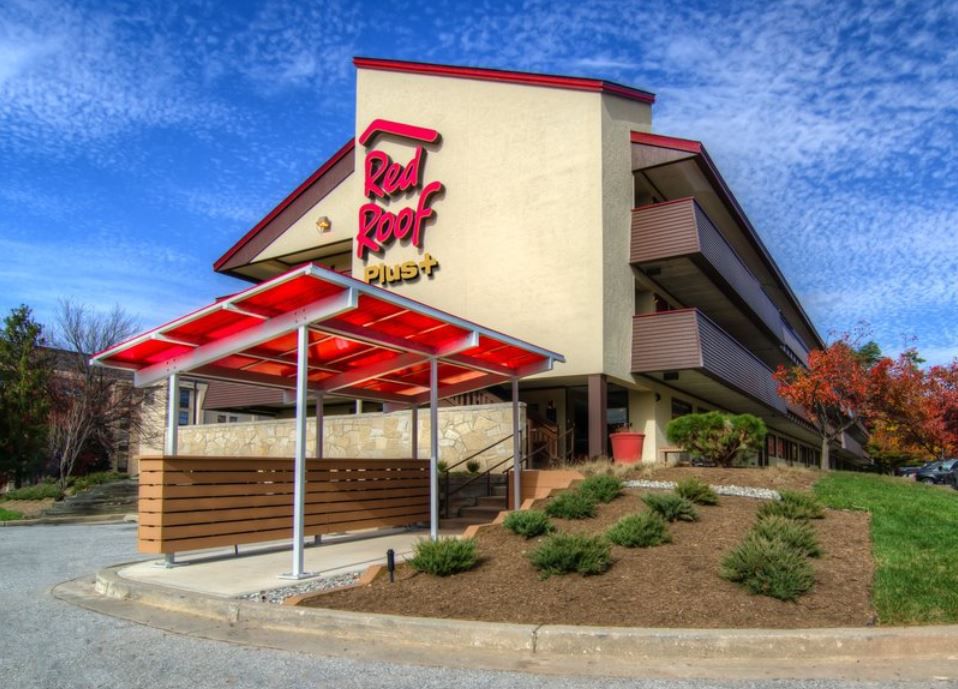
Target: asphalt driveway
[[45, 642]]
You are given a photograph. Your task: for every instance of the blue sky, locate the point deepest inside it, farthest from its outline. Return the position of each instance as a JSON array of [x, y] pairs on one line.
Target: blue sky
[[138, 141]]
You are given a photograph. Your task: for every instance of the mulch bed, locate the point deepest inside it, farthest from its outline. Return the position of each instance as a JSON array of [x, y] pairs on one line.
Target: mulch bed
[[674, 585], [771, 477]]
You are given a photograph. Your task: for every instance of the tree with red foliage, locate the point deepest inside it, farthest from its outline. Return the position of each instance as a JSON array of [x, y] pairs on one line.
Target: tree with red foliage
[[837, 390], [922, 405]]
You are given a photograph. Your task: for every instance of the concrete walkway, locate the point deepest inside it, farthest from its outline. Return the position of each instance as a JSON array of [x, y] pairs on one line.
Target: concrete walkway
[[221, 573]]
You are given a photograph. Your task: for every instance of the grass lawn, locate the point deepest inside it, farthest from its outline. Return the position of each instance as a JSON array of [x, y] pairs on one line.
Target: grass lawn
[[914, 531], [9, 515]]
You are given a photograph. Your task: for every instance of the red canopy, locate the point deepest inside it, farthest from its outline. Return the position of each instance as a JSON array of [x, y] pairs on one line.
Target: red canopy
[[364, 342]]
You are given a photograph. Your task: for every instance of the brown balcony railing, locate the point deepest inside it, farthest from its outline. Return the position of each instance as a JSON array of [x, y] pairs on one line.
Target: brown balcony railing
[[687, 340], [681, 229]]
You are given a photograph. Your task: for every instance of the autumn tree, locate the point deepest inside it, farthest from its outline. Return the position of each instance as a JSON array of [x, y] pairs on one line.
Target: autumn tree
[[920, 406], [840, 388], [25, 369]]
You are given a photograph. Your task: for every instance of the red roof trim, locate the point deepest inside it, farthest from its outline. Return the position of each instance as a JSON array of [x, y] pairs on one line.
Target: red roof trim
[[296, 193], [667, 142], [508, 76]]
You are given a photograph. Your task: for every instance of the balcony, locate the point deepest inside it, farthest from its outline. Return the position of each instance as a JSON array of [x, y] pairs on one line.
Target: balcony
[[687, 351], [677, 246]]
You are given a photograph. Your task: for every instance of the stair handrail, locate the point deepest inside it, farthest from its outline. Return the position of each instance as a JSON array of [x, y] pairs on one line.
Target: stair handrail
[[475, 454], [487, 474]]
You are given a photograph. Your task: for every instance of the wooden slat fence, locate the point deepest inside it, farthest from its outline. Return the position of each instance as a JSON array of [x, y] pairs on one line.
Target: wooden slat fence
[[188, 503]]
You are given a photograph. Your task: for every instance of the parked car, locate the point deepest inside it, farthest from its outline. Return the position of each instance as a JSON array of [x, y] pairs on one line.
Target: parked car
[[907, 471], [937, 472]]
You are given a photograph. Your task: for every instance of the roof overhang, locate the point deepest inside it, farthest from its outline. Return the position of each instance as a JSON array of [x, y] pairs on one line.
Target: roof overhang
[[364, 342]]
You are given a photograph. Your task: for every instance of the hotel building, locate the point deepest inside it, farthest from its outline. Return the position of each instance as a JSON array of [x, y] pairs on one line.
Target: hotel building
[[546, 206]]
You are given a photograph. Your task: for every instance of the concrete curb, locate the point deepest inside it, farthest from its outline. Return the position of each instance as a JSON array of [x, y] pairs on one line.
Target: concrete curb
[[118, 518], [550, 642]]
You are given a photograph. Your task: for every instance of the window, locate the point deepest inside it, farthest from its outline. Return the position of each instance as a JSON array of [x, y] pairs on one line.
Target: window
[[680, 408], [221, 418], [185, 415]]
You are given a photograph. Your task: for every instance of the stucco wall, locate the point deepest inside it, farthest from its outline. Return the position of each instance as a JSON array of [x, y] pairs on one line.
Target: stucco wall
[[462, 431]]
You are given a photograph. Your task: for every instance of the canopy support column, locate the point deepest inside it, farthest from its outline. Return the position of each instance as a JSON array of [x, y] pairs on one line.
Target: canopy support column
[[414, 432], [299, 490], [433, 449], [516, 448], [320, 425], [172, 417], [171, 439]]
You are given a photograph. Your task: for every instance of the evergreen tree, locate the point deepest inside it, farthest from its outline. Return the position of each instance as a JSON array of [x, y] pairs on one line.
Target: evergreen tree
[[25, 371]]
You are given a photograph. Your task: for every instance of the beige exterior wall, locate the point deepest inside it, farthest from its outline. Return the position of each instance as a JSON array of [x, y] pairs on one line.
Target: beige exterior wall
[[462, 432]]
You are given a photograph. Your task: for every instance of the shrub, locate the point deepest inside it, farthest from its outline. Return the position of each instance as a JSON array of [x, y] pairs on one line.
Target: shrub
[[695, 490], [798, 535], [716, 437], [528, 523], [9, 515], [445, 556], [770, 568], [571, 505], [641, 530], [565, 553], [671, 507], [793, 505], [472, 466], [83, 482], [442, 466], [40, 491], [602, 488]]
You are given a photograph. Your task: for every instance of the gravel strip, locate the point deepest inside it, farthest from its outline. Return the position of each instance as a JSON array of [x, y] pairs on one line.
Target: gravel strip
[[740, 491], [277, 596]]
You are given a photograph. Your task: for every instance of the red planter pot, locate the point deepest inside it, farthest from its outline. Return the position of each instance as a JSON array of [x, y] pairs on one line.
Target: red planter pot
[[627, 447]]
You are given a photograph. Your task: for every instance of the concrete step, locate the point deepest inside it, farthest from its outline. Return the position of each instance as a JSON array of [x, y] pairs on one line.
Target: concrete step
[[458, 523], [118, 497], [484, 513]]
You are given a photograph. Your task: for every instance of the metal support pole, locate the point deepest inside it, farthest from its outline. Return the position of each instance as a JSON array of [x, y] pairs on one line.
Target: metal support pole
[[516, 448], [414, 438], [172, 415], [320, 423], [299, 490], [433, 449], [172, 432]]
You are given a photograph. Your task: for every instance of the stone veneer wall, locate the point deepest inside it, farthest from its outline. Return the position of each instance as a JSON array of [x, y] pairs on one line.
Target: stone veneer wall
[[462, 432]]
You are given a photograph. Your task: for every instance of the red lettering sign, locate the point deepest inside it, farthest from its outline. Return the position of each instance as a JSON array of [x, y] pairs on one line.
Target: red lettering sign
[[385, 179]]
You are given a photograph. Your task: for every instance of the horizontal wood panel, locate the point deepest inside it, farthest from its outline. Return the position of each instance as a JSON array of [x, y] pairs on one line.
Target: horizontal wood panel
[[201, 502], [217, 477], [246, 513], [183, 544]]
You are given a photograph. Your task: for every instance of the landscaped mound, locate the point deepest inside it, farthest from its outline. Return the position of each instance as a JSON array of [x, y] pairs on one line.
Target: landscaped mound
[[675, 584]]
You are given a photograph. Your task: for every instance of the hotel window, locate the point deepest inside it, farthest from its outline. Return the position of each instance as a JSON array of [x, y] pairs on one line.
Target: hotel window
[[680, 408], [185, 407], [226, 418]]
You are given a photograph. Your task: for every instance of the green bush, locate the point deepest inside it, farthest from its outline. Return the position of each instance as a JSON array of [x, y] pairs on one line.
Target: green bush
[[40, 491], [565, 553], [798, 535], [671, 507], [83, 482], [571, 505], [641, 530], [472, 466], [445, 556], [9, 515], [793, 505], [695, 490], [602, 488], [724, 439], [442, 466], [528, 523], [770, 568]]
